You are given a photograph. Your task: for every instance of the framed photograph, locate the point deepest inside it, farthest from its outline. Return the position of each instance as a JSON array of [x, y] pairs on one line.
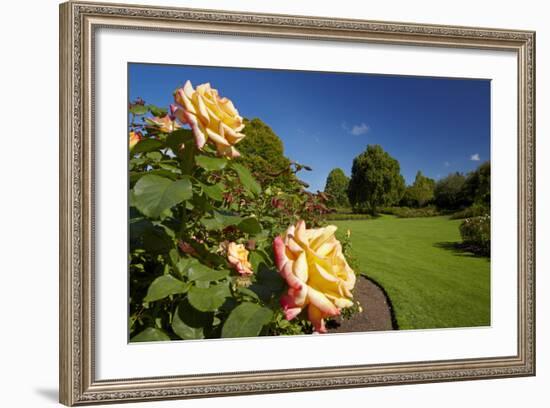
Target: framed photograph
[[256, 203]]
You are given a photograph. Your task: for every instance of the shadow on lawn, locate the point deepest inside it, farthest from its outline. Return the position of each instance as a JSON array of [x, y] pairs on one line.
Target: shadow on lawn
[[461, 249]]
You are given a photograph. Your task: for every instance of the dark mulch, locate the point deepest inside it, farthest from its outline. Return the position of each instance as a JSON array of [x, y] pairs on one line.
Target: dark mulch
[[376, 315]]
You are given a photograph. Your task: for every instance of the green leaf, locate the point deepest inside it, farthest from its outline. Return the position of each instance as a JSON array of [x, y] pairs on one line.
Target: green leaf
[[135, 176], [200, 272], [227, 219], [215, 192], [183, 265], [155, 156], [202, 284], [248, 292], [138, 109], [255, 259], [154, 194], [211, 224], [174, 257], [156, 111], [164, 286], [210, 163], [156, 240], [269, 284], [188, 323], [150, 334], [220, 221], [250, 225], [208, 299], [170, 168], [246, 320], [247, 180], [147, 145]]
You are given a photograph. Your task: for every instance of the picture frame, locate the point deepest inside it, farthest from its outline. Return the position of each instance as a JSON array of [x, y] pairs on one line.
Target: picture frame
[[79, 22]]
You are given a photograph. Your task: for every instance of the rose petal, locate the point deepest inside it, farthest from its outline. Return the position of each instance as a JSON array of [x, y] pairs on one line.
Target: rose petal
[[216, 138], [322, 302], [315, 316], [300, 267], [325, 234], [188, 89], [291, 279]]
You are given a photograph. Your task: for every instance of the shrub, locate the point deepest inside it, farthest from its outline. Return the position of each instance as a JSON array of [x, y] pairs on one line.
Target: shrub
[[202, 230], [476, 233], [406, 212], [348, 216], [475, 210]]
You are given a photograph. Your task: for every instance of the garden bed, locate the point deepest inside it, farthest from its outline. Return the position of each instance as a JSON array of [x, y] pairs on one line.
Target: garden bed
[[377, 313]]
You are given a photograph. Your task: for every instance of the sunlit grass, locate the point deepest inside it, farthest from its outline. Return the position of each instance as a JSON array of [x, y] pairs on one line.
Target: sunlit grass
[[429, 282]]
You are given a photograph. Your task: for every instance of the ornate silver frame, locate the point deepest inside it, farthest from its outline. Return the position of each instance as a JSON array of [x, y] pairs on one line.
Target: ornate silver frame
[[78, 22]]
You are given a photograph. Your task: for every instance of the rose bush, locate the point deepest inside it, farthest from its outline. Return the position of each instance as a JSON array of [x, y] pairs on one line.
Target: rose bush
[[202, 230], [476, 234]]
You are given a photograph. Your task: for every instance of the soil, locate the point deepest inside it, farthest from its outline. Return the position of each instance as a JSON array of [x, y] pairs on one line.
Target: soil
[[376, 315]]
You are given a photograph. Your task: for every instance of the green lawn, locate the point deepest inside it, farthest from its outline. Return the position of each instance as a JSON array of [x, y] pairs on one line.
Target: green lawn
[[429, 283]]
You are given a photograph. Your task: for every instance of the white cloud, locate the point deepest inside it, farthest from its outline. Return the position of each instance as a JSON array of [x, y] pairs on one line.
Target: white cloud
[[447, 164], [475, 157], [356, 130], [360, 129]]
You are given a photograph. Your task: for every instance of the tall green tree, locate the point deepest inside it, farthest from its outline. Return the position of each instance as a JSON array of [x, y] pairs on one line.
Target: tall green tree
[[262, 152], [477, 187], [337, 188], [376, 180], [420, 193], [449, 192]]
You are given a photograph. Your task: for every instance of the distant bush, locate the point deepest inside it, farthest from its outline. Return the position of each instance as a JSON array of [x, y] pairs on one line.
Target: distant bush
[[476, 233], [407, 212], [475, 210], [347, 216]]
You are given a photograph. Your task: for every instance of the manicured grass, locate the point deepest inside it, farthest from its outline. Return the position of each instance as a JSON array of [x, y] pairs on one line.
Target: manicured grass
[[430, 283]]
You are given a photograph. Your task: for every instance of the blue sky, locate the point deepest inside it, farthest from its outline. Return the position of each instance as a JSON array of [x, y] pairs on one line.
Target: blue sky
[[436, 125]]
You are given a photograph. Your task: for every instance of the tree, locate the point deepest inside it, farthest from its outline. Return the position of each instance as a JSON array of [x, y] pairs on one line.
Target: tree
[[420, 193], [477, 187], [449, 192], [262, 152], [375, 181], [337, 188]]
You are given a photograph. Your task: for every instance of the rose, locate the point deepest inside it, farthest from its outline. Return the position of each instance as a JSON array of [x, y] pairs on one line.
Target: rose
[[135, 138], [316, 271], [165, 124], [212, 119], [237, 255]]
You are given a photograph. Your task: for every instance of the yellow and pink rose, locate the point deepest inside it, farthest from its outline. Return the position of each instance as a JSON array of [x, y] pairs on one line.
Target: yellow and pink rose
[[212, 119], [135, 138], [237, 255], [317, 273]]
